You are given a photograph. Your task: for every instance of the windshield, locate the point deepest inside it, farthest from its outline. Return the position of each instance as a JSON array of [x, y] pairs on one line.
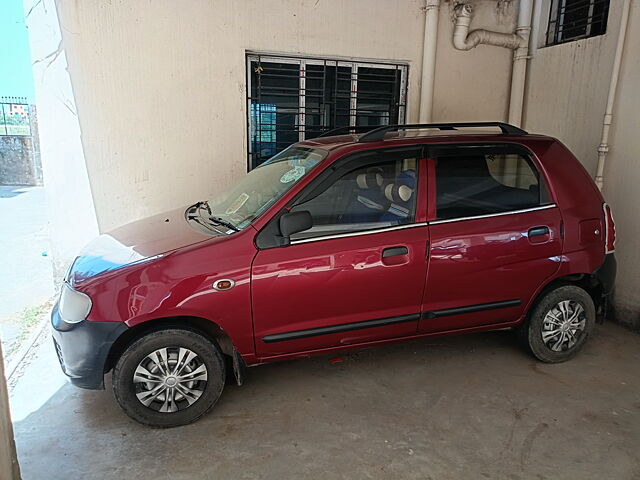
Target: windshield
[[240, 204]]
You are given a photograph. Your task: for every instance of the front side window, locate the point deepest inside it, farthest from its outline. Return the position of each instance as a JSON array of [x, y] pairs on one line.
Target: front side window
[[236, 207], [473, 184], [379, 195]]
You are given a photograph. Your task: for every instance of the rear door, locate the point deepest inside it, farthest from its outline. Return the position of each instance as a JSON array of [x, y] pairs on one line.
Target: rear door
[[358, 275], [495, 236]]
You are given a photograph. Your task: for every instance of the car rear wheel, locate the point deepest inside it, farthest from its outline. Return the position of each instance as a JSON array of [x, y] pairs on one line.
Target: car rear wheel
[[169, 377], [559, 324]]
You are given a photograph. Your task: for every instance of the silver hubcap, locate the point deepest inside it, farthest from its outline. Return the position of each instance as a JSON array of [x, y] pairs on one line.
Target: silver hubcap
[[563, 325], [170, 379]]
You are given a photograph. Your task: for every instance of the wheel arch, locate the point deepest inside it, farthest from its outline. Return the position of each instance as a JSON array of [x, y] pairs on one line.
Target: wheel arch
[[587, 281], [206, 328]]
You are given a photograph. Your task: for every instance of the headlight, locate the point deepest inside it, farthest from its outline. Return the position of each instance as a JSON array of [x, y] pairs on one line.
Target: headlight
[[74, 306]]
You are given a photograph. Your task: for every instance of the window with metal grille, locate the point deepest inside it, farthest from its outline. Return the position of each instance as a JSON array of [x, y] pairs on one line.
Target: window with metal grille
[[575, 19], [291, 99]]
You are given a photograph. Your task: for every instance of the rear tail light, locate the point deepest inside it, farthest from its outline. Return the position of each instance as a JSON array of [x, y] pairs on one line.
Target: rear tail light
[[609, 230]]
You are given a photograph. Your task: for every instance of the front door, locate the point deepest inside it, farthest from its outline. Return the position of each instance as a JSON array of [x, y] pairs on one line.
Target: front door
[[358, 275], [495, 239]]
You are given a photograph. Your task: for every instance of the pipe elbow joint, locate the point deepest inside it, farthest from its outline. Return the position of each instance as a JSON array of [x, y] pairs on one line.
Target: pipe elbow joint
[[463, 42]]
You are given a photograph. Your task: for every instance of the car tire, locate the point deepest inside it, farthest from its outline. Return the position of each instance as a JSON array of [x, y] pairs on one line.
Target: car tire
[[559, 324], [169, 378]]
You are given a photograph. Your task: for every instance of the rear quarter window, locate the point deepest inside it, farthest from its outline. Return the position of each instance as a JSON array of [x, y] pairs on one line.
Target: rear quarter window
[[474, 184]]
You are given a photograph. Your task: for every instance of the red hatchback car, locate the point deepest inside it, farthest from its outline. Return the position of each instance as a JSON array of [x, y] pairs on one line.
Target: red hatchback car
[[335, 243]]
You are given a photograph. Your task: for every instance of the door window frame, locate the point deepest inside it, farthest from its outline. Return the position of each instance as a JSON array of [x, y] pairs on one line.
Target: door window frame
[[269, 235], [505, 148]]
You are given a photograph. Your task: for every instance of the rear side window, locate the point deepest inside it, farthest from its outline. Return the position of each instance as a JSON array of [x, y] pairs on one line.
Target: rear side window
[[473, 184]]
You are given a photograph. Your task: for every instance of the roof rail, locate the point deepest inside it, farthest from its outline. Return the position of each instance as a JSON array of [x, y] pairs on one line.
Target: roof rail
[[379, 133], [346, 129]]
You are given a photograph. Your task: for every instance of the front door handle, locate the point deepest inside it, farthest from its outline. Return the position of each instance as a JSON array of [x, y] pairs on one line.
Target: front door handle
[[394, 252]]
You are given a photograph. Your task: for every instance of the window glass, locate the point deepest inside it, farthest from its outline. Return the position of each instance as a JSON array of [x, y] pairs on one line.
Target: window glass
[[250, 196], [471, 185], [375, 196]]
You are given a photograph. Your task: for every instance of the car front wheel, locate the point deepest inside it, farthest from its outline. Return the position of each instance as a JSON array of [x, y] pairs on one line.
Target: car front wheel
[[169, 377], [559, 324]]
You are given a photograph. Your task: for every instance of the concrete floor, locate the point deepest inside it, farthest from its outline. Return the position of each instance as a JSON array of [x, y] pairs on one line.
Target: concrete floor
[[472, 406]]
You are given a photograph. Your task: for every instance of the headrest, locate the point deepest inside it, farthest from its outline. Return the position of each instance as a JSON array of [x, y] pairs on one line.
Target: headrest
[[402, 189], [371, 179]]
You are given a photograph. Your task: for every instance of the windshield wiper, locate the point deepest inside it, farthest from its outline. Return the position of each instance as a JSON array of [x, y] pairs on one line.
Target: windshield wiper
[[223, 222], [194, 214], [212, 218], [197, 219], [203, 203]]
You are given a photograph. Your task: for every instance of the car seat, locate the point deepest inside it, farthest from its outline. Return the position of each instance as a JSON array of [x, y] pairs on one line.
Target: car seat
[[368, 203], [401, 195]]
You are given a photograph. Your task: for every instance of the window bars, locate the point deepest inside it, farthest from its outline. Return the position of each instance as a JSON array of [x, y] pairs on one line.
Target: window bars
[[575, 19], [290, 99]]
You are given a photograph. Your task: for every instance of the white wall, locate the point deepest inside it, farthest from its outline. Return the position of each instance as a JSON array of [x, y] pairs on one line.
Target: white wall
[[622, 176], [474, 85], [160, 86], [71, 210], [568, 85]]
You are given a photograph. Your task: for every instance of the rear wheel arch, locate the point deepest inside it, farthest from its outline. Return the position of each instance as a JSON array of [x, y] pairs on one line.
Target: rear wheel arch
[[587, 281]]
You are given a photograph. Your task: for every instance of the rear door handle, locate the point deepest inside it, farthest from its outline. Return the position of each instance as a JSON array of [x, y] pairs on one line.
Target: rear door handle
[[539, 235], [394, 252], [538, 231]]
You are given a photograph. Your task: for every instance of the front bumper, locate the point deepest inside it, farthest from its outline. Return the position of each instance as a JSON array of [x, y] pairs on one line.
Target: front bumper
[[83, 347]]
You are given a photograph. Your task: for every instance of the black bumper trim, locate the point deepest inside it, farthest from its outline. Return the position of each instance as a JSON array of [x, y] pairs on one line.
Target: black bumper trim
[[606, 273], [83, 347], [447, 312]]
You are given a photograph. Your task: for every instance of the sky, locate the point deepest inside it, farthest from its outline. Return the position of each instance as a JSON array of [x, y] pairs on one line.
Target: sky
[[16, 79]]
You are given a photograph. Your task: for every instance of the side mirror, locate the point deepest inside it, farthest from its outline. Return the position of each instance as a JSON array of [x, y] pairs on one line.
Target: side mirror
[[295, 222]]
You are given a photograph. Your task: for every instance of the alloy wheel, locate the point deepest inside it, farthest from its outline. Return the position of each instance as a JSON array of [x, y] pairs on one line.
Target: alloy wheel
[[170, 379], [563, 325]]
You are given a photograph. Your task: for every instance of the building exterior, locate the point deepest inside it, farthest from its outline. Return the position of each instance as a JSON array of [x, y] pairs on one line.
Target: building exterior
[[19, 146], [176, 100]]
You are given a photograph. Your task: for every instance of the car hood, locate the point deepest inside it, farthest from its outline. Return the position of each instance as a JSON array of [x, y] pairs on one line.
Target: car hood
[[139, 241]]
